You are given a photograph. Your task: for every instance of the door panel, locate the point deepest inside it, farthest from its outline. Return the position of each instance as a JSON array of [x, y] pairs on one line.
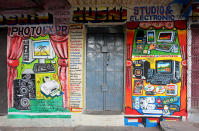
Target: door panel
[[114, 94], [94, 76], [94, 99], [104, 72]]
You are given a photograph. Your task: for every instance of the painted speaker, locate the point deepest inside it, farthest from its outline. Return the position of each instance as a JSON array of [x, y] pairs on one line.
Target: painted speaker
[[29, 79], [21, 95], [140, 69]]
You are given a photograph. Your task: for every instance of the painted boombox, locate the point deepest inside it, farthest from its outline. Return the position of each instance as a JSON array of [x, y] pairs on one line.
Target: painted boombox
[[166, 72]]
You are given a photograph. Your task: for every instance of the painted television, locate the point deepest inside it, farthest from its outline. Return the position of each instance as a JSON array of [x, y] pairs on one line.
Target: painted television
[[166, 72], [43, 49], [163, 66], [167, 36]]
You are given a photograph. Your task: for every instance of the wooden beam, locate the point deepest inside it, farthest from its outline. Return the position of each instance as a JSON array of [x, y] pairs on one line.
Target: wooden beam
[[21, 8], [39, 4], [67, 3]]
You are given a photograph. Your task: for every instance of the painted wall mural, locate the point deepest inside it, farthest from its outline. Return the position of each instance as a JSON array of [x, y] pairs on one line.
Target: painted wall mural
[[103, 14], [156, 72], [38, 74]]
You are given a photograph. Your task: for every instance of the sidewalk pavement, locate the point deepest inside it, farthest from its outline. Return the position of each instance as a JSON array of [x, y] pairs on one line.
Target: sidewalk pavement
[[179, 126], [164, 126], [80, 128]]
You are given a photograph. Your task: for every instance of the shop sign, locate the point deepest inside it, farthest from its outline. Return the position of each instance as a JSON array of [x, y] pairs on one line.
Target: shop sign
[[76, 68], [104, 14], [24, 19], [33, 30], [152, 13], [195, 12]]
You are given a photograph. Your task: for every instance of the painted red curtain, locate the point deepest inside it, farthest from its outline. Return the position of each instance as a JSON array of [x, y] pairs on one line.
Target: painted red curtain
[[130, 37], [14, 51], [60, 46]]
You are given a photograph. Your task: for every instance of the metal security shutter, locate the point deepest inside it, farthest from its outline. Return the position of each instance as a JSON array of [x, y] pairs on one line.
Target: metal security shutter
[[195, 68], [3, 72]]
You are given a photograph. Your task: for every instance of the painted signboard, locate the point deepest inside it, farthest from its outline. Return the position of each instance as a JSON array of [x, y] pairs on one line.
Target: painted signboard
[[103, 14], [36, 31], [156, 72], [195, 12], [37, 72], [23, 19], [152, 13], [76, 67]]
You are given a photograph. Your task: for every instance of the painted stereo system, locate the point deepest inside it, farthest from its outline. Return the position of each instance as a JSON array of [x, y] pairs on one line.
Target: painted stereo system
[[24, 90]]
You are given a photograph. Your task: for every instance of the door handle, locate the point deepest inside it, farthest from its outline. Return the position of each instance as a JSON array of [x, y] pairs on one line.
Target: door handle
[[108, 58]]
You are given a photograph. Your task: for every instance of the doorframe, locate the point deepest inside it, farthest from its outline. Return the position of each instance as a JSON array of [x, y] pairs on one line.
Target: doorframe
[[3, 76], [189, 41], [85, 53]]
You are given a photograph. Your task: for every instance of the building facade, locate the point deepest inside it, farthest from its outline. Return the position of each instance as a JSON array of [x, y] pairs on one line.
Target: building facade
[[134, 60]]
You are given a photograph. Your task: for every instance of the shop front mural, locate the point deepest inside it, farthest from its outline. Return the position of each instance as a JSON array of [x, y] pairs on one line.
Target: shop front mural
[[156, 72], [38, 74]]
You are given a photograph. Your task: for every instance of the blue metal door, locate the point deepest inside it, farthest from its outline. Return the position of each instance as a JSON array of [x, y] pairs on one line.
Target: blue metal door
[[104, 72]]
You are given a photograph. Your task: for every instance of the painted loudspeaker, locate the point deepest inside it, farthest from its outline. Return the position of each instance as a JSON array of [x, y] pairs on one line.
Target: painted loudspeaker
[[21, 95], [24, 90], [29, 78], [140, 69]]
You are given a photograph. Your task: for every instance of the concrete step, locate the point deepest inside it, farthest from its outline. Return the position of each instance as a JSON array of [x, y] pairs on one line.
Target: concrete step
[[179, 126]]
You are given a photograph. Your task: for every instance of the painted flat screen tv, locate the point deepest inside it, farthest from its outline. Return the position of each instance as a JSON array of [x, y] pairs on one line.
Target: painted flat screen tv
[[166, 37]]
